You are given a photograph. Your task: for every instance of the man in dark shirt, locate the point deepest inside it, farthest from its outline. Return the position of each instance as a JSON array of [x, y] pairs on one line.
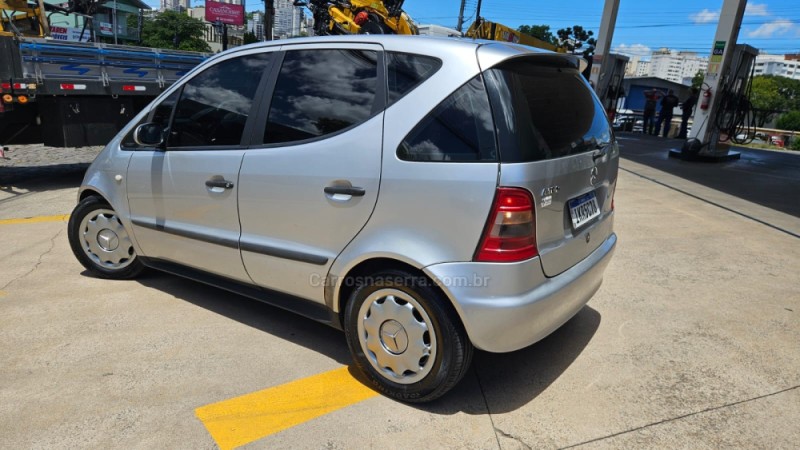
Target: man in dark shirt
[[686, 112], [650, 101], [668, 103]]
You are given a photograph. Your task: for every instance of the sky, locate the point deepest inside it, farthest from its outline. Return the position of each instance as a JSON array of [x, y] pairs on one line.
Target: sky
[[772, 26]]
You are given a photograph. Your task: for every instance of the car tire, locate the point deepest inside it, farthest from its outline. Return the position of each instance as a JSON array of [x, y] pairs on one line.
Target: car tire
[[405, 337], [100, 242]]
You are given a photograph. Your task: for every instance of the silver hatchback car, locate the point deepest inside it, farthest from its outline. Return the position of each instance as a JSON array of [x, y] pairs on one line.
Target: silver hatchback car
[[427, 196]]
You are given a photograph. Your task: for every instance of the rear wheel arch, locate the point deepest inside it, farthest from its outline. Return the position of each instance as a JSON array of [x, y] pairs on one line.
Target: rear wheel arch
[[355, 275]]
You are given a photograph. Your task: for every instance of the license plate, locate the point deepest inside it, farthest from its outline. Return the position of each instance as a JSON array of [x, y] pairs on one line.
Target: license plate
[[583, 209]]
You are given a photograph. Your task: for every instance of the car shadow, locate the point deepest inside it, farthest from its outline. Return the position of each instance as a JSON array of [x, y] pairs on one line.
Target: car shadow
[[496, 383], [42, 178], [253, 313], [504, 382]]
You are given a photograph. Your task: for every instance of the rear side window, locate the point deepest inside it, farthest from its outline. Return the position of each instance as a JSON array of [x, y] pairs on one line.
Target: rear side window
[[544, 112], [459, 129], [214, 105], [406, 71], [320, 92]]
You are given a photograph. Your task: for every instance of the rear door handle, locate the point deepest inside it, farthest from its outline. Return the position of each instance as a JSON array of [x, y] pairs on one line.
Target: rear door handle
[[345, 190], [600, 152], [216, 183]]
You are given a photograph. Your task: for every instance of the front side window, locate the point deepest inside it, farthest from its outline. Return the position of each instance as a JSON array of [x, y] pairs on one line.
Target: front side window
[[214, 105], [159, 115], [460, 129], [320, 92]]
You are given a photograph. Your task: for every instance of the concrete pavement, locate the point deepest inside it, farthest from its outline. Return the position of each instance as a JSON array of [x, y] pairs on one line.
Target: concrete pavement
[[692, 342]]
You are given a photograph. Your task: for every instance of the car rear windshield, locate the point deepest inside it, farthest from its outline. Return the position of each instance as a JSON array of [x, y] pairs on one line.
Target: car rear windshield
[[543, 112]]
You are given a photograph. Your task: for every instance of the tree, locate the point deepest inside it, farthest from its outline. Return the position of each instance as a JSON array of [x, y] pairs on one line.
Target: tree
[[540, 32], [249, 37], [790, 121], [171, 29], [697, 80], [574, 38], [766, 98]]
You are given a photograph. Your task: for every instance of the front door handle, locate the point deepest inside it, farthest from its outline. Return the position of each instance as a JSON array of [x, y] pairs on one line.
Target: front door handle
[[217, 183], [345, 190]]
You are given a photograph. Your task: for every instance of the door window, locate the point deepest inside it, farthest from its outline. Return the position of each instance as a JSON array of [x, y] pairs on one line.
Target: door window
[[214, 105], [159, 115], [320, 92], [407, 71]]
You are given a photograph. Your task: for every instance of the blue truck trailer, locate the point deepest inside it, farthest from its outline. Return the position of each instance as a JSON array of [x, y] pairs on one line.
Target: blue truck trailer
[[74, 94]]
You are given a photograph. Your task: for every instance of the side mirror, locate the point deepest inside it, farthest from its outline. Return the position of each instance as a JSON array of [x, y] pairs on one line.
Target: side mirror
[[150, 135]]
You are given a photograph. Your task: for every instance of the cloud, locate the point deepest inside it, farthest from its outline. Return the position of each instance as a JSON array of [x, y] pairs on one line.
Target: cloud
[[633, 50], [756, 9], [776, 27], [704, 16]]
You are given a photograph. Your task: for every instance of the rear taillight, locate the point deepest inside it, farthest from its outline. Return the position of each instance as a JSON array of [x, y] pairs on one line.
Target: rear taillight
[[510, 233]]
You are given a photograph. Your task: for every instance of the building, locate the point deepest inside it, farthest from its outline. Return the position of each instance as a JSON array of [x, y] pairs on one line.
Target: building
[[634, 89], [782, 65], [109, 24], [632, 66], [256, 25], [289, 19], [437, 30], [213, 35], [170, 5], [676, 66], [642, 69]]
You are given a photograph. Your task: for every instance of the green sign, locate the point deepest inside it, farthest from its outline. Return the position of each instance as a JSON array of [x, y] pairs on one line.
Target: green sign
[[716, 54]]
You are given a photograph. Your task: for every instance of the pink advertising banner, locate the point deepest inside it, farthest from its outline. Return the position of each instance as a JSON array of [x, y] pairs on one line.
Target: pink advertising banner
[[224, 12]]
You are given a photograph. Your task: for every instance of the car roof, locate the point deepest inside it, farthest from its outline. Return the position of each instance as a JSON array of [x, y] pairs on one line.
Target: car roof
[[488, 52], [405, 43]]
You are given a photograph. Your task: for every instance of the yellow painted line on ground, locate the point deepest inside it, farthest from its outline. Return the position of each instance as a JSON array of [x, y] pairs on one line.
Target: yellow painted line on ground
[[245, 419], [38, 219], [3, 293]]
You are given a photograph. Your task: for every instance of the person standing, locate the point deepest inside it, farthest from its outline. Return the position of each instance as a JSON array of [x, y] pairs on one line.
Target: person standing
[[668, 104], [687, 108], [650, 101]]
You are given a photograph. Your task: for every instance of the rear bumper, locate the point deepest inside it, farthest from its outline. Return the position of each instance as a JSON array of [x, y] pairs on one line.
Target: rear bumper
[[506, 307]]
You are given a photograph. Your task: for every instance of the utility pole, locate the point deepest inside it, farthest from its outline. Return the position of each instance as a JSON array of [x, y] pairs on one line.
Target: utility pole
[[269, 19], [703, 128], [461, 16], [115, 21], [224, 36]]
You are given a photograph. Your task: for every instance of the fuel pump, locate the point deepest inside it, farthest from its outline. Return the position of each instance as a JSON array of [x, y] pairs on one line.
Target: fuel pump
[[724, 90], [609, 82], [733, 119]]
